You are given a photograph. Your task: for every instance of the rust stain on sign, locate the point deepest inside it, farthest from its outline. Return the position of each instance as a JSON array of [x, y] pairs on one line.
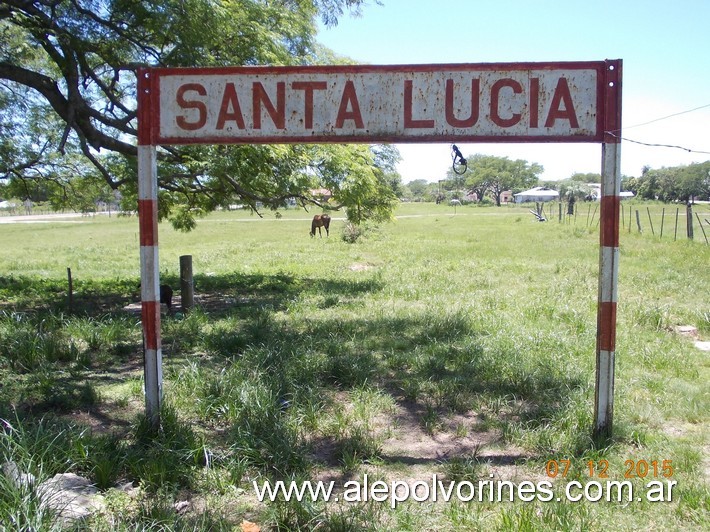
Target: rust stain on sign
[[538, 102]]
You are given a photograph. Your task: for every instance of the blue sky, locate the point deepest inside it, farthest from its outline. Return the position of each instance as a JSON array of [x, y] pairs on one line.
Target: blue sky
[[665, 46]]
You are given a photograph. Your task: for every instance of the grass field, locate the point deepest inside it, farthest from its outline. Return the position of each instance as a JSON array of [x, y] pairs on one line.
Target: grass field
[[457, 343]]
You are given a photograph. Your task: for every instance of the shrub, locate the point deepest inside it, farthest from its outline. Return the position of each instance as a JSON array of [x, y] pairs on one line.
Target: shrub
[[352, 232]]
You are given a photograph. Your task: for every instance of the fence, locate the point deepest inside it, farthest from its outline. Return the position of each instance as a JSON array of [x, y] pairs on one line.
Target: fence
[[691, 222]]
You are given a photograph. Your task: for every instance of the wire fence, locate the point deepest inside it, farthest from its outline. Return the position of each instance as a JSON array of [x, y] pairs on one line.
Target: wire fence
[[664, 222]]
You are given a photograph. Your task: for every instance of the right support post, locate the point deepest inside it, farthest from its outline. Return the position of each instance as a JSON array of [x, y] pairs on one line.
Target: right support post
[[608, 256]]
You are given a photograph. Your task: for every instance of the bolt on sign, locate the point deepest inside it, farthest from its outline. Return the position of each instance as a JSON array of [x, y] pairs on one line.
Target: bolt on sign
[[502, 102], [550, 102]]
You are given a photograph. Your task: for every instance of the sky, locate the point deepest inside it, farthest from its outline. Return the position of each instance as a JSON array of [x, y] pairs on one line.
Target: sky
[[664, 45]]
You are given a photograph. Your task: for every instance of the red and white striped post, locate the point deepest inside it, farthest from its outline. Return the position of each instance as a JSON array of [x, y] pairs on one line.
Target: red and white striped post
[[608, 253], [148, 229]]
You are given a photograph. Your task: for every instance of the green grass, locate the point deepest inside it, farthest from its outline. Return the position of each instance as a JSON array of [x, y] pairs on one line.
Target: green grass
[[310, 357]]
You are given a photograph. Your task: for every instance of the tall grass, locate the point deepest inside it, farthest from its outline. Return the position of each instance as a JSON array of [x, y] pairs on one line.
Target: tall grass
[[303, 353]]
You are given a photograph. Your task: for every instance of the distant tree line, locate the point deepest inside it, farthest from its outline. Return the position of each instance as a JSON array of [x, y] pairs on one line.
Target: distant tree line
[[487, 177], [677, 183]]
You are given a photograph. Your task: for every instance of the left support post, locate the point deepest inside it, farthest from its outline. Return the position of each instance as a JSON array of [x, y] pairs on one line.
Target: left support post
[[148, 228]]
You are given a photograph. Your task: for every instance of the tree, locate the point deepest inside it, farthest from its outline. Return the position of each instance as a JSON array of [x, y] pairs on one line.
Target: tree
[[475, 182], [694, 182], [631, 184], [648, 186], [586, 178], [677, 183], [572, 188], [362, 183], [418, 188], [67, 92], [489, 173]]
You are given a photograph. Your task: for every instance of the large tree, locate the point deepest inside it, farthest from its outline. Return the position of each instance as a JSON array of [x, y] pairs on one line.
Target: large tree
[[676, 183], [493, 174], [68, 102]]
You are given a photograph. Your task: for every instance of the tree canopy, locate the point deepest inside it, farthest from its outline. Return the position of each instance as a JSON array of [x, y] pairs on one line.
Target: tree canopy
[[494, 175], [677, 183], [68, 103]]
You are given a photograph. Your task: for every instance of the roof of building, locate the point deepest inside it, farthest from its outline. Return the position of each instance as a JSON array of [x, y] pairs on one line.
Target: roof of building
[[538, 192]]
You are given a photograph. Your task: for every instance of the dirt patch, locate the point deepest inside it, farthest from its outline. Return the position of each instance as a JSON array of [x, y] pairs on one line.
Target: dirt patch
[[360, 266], [454, 435], [108, 418], [411, 451]]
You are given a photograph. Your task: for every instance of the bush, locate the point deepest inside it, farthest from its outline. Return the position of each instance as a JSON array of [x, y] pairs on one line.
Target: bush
[[352, 232]]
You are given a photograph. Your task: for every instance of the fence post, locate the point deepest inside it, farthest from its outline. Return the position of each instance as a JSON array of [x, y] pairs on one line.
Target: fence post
[[71, 291], [187, 286], [663, 218], [629, 218], [650, 221], [675, 231], [689, 220], [638, 221], [702, 229]]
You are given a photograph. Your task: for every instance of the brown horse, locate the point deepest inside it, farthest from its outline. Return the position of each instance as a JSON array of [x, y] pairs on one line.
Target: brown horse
[[320, 220]]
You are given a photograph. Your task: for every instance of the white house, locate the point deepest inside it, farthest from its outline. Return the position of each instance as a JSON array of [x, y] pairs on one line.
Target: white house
[[537, 194]]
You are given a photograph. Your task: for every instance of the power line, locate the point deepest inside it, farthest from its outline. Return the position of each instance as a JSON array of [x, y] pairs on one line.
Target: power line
[[689, 150], [655, 145], [669, 116]]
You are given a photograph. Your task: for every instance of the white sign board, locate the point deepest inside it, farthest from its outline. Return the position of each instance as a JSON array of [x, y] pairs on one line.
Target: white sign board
[[534, 102]]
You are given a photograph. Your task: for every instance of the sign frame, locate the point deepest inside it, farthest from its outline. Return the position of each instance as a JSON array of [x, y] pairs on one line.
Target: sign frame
[[607, 119]]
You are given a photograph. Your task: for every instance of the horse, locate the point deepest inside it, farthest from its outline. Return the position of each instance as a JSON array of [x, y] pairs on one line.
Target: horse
[[320, 220]]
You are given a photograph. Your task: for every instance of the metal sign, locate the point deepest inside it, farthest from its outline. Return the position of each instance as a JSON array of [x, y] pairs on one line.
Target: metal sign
[[517, 102], [504, 102]]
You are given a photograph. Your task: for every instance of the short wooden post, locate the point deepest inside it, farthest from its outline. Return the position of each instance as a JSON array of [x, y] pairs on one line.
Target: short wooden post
[[638, 221], [187, 287], [663, 218], [71, 291], [675, 231], [689, 220]]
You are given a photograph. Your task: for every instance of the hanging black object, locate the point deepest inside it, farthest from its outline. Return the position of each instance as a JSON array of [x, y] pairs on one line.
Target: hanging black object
[[459, 164]]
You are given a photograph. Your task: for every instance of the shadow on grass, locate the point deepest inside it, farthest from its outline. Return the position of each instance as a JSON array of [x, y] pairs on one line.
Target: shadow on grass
[[260, 371], [97, 296]]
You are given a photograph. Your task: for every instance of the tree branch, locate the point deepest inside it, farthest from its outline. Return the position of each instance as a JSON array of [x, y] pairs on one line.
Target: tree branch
[[80, 122]]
